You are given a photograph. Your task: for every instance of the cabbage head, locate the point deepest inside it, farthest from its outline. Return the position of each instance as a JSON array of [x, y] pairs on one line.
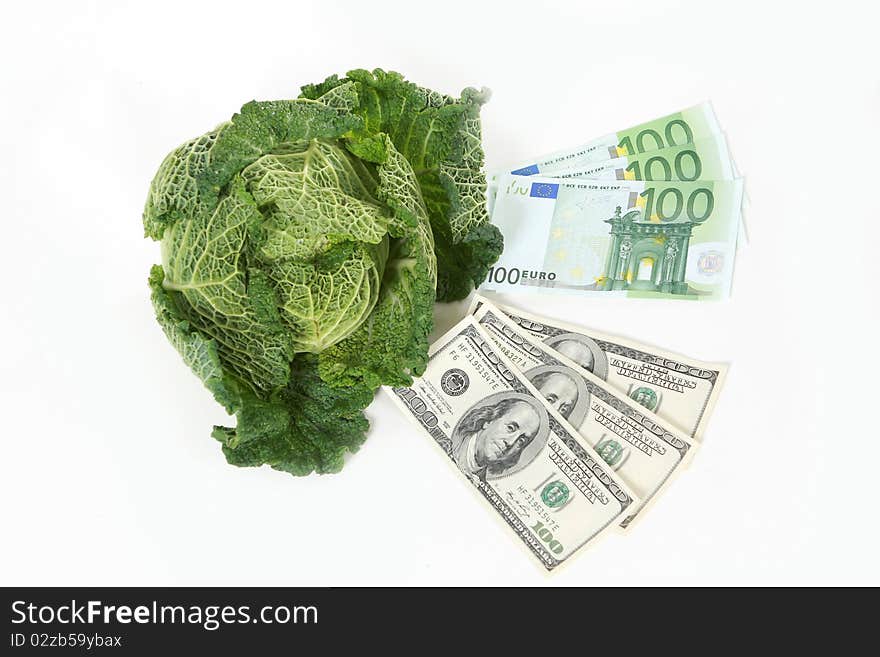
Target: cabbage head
[[304, 243]]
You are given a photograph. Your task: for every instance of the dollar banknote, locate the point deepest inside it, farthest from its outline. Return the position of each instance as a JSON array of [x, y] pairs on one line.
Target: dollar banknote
[[645, 450], [675, 129], [681, 390], [704, 159], [523, 458], [630, 238]]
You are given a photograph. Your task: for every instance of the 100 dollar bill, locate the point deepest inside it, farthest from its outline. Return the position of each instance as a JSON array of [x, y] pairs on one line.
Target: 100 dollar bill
[[522, 457], [681, 390], [630, 238], [642, 448]]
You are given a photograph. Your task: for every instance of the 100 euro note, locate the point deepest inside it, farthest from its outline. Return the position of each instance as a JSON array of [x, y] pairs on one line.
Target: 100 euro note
[[685, 145], [704, 159], [677, 388], [644, 449], [675, 129], [523, 458], [651, 239]]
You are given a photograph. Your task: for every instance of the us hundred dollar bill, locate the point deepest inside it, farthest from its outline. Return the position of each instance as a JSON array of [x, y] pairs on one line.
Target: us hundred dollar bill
[[523, 458], [674, 240], [645, 450], [681, 390]]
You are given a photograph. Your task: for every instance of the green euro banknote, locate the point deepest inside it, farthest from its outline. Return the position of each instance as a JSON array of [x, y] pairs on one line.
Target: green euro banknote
[[541, 479], [681, 390], [645, 450], [676, 129], [704, 159], [625, 238]]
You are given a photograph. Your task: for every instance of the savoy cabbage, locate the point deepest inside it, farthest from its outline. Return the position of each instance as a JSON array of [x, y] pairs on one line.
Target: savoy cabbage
[[304, 243]]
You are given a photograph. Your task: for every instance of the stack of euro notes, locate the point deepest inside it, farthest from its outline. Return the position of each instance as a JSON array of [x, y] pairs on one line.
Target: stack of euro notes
[[566, 432], [651, 211]]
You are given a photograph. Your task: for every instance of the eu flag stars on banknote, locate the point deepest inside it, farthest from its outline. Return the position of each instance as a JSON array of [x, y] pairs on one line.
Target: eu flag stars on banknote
[[544, 190]]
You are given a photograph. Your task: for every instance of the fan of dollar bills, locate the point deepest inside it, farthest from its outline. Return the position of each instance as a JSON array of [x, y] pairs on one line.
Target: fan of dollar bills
[[650, 211], [565, 431]]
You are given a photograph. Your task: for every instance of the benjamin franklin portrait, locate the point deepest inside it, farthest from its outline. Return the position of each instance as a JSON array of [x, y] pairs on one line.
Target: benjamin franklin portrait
[[564, 389], [499, 435], [582, 350]]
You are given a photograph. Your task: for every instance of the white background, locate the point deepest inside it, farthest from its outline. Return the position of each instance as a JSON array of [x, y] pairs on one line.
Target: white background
[[109, 475]]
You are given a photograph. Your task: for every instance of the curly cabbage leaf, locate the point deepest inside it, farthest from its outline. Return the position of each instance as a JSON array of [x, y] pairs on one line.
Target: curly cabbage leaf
[[440, 137], [301, 261]]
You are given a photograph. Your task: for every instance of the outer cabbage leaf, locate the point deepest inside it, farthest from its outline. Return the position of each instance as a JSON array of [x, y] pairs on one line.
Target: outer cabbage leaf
[[216, 293], [440, 137], [307, 426]]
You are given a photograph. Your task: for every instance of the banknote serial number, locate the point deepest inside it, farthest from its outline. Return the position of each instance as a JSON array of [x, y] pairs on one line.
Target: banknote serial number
[[515, 275]]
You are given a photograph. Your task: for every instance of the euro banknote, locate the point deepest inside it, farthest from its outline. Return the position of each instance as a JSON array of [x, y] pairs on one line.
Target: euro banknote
[[681, 390], [520, 455], [645, 450], [696, 126], [704, 159], [673, 239], [683, 127]]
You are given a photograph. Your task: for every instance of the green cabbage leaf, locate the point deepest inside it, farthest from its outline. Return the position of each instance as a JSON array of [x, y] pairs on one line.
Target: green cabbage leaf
[[440, 136]]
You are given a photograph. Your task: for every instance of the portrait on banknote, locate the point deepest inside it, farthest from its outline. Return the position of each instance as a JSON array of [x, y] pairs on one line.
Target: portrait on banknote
[[582, 350], [564, 389], [500, 435]]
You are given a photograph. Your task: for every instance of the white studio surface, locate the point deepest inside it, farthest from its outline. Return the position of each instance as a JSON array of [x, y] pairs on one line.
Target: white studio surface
[[109, 475]]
